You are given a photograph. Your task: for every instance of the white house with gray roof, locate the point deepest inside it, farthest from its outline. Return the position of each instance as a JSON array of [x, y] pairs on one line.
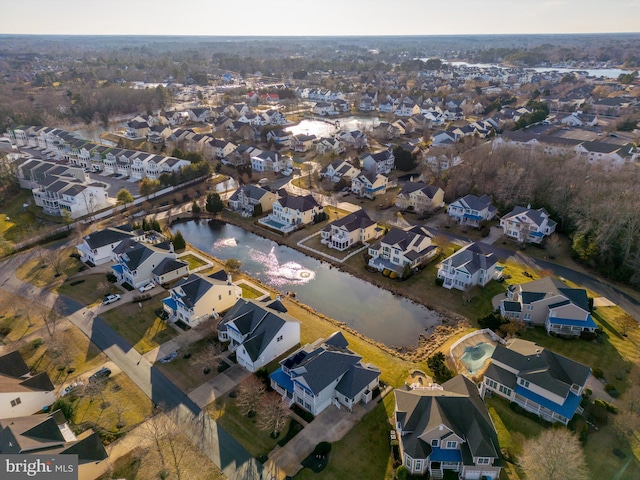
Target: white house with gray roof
[[420, 197], [97, 247], [380, 162], [537, 379], [198, 297], [291, 212], [550, 303], [356, 227], [323, 373], [136, 261], [339, 169], [399, 248], [258, 332], [369, 184], [472, 210], [170, 269], [527, 225], [447, 427], [468, 267]]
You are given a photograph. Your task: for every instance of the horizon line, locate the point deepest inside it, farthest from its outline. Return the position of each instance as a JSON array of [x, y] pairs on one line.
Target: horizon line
[[311, 35]]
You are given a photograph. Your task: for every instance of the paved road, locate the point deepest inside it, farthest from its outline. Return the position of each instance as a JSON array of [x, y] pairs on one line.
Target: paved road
[[225, 452], [619, 297]]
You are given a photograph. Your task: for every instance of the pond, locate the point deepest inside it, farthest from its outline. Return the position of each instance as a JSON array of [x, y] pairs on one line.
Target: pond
[[372, 311], [331, 126]]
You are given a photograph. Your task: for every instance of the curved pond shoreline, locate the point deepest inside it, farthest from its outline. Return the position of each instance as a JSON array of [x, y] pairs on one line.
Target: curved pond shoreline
[[426, 338]]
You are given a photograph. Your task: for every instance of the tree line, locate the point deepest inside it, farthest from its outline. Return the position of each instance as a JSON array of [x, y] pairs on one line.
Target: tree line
[[595, 204]]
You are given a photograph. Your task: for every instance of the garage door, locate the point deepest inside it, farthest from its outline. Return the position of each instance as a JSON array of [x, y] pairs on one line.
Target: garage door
[[472, 475]]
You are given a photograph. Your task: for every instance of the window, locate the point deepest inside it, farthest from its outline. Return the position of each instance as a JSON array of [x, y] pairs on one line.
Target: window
[[452, 444], [219, 297], [435, 442], [483, 461], [279, 338], [418, 465], [16, 402], [524, 383]]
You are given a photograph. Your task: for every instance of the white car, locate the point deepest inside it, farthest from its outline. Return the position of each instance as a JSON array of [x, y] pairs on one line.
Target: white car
[[147, 287], [287, 171], [110, 299], [71, 388]]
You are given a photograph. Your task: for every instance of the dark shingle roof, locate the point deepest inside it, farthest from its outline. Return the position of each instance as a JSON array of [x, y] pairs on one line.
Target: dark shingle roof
[[106, 237]]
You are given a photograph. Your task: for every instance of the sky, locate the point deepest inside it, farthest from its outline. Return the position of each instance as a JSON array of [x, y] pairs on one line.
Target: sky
[[324, 17]]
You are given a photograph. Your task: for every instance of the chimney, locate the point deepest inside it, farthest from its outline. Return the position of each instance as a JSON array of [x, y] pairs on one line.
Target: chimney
[[228, 278], [170, 247]]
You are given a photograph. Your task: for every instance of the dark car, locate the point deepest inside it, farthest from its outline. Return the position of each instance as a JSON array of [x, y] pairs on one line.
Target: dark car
[[101, 374]]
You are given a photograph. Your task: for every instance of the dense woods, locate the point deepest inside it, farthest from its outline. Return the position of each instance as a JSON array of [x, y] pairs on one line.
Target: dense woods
[[597, 207]]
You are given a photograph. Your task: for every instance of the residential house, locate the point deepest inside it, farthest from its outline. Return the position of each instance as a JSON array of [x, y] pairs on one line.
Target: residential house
[[258, 332], [21, 392], [198, 297], [550, 303], [527, 225], [169, 269], [355, 139], [269, 162], [341, 105], [199, 115], [63, 196], [246, 197], [49, 434], [136, 261], [380, 162], [97, 247], [158, 134], [601, 152], [323, 373], [136, 129], [339, 169], [176, 118], [537, 379], [579, 119], [291, 212], [329, 145], [444, 428], [324, 109], [402, 249], [468, 267], [420, 197], [279, 137], [356, 227], [302, 143], [472, 210], [369, 184]]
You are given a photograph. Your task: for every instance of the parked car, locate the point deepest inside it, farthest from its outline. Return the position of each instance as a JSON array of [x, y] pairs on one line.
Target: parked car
[[147, 287], [75, 386], [110, 299], [287, 171], [103, 373], [168, 358]]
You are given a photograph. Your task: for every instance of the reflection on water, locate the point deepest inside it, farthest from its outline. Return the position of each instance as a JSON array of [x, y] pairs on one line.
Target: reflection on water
[[288, 273], [372, 311]]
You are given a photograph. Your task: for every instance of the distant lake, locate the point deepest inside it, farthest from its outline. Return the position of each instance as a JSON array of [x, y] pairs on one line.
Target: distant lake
[[322, 128], [594, 72], [368, 309]]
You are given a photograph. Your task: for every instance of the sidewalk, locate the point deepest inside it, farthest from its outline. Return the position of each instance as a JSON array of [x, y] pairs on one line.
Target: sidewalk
[[219, 385]]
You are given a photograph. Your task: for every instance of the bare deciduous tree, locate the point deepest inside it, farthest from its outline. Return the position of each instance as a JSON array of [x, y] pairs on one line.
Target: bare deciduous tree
[[207, 356], [249, 395], [555, 453], [272, 414]]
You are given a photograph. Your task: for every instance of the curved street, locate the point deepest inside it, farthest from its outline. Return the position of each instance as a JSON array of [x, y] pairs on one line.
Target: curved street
[[224, 451]]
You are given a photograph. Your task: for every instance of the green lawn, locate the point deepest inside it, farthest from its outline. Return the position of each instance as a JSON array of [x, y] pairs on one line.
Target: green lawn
[[249, 292], [91, 291], [364, 452], [141, 327], [193, 261]]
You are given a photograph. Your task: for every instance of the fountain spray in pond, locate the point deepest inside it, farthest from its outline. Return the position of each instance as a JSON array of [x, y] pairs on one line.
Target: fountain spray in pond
[[225, 242], [289, 273]]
